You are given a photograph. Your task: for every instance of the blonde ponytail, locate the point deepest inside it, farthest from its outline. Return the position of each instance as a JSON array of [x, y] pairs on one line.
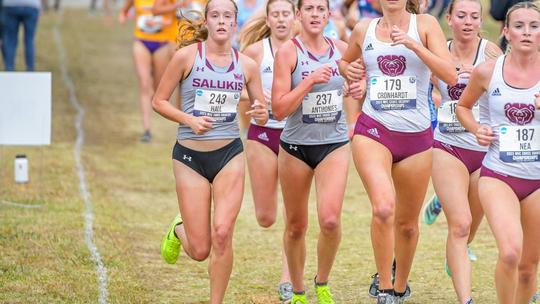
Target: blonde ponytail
[[191, 30], [255, 30]]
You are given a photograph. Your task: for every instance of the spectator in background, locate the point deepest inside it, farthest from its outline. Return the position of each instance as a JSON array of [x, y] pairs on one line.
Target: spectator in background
[[14, 13], [107, 10], [497, 10], [45, 4], [436, 8], [369, 9], [1, 25]]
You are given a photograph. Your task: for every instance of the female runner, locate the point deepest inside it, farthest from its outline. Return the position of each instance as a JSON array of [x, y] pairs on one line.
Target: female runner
[[263, 37], [152, 50], [208, 162], [509, 185], [393, 136], [308, 91], [457, 157]]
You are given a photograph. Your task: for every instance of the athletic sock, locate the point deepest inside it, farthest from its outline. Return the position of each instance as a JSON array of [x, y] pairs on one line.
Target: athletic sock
[[400, 294], [387, 291], [174, 230], [319, 283]]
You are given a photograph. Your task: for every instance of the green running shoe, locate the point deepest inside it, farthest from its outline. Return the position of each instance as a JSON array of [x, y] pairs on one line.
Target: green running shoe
[[447, 268], [534, 299], [470, 253], [170, 245], [299, 299], [432, 210], [324, 296]]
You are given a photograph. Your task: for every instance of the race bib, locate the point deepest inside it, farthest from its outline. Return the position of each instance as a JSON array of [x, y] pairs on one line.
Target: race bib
[[149, 24], [271, 115], [269, 107], [322, 107], [219, 105], [519, 144], [393, 93], [447, 118]]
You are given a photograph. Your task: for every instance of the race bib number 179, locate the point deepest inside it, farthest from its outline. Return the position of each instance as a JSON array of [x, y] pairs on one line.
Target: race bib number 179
[[393, 93]]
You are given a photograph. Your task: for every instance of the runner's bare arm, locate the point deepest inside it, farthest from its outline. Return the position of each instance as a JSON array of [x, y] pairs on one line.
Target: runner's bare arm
[[176, 71], [258, 111]]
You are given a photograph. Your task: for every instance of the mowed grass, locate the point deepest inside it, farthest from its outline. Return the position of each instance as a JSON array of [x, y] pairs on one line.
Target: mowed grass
[[43, 256]]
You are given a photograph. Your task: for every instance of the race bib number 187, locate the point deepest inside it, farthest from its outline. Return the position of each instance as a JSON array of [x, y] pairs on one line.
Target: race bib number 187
[[519, 144], [393, 93], [219, 105]]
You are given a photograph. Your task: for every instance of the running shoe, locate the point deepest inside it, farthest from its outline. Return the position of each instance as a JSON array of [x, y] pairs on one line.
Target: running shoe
[[407, 292], [432, 210], [534, 299], [385, 298], [469, 301], [399, 300], [447, 268], [374, 287], [299, 299], [170, 245], [470, 253], [324, 296], [472, 258], [285, 292], [146, 137]]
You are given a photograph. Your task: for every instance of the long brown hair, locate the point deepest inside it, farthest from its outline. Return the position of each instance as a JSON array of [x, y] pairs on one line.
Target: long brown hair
[[257, 29], [413, 6], [192, 30]]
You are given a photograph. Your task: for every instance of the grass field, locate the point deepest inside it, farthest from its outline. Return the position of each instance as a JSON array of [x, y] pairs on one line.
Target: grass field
[[43, 255]]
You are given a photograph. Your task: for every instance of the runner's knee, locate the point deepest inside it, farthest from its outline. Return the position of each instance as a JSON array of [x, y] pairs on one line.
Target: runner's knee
[[510, 254], [296, 230]]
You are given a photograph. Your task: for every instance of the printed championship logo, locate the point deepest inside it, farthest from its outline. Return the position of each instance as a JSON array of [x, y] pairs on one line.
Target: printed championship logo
[[455, 91], [392, 65], [519, 113]]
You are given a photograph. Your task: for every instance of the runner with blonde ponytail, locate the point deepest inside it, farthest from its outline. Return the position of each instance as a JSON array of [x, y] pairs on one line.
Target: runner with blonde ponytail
[[260, 40], [208, 158]]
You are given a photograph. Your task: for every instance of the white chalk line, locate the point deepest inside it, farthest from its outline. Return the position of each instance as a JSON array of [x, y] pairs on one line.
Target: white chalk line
[[19, 205], [88, 214]]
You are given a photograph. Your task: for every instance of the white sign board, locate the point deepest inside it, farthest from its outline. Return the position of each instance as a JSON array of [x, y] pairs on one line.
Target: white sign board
[[25, 108]]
